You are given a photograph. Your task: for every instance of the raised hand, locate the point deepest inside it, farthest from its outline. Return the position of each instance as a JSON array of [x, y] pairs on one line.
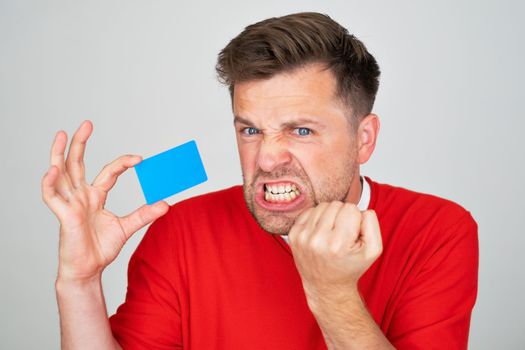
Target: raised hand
[[333, 244], [90, 236]]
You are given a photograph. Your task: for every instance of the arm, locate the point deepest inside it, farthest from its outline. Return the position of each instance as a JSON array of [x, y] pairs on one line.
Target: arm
[[90, 238], [333, 245], [346, 323], [83, 319], [332, 251]]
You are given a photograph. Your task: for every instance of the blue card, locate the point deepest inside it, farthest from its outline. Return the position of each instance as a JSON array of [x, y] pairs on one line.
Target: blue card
[[170, 172]]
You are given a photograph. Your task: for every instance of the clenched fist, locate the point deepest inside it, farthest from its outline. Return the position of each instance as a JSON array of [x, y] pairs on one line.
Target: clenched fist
[[333, 244]]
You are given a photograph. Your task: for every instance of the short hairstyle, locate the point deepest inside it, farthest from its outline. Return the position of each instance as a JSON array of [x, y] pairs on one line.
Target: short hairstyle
[[282, 44]]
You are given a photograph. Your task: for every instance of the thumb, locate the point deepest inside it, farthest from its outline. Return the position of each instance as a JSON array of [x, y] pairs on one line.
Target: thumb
[[142, 216]]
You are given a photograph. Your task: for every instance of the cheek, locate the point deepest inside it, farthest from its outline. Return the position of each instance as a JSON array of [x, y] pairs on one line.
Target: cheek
[[319, 168], [312, 160], [323, 161], [248, 157]]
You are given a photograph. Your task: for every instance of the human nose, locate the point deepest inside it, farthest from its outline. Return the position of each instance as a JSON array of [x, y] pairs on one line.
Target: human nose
[[272, 154]]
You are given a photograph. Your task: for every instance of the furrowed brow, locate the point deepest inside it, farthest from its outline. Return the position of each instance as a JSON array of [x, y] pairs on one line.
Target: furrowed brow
[[241, 120], [286, 125], [301, 122]]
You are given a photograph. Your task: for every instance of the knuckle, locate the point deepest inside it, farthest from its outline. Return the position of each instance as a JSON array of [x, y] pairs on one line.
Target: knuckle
[[300, 238], [323, 205], [76, 138], [141, 217], [71, 159], [317, 244], [353, 209], [369, 215], [351, 206], [107, 169], [334, 249], [306, 212], [302, 218]]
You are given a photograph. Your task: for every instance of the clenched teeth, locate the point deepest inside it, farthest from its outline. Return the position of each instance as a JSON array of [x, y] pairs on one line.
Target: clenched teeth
[[280, 192]]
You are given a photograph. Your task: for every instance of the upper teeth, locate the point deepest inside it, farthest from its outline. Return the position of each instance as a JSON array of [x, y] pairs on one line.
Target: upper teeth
[[281, 188]]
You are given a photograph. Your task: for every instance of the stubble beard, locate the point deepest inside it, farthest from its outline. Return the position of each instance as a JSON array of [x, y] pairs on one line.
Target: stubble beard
[[333, 187]]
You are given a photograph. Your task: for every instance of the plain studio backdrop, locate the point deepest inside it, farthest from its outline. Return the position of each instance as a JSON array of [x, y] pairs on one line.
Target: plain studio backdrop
[[450, 102]]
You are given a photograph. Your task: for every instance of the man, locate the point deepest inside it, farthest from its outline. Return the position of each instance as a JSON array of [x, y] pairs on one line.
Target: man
[[306, 255]]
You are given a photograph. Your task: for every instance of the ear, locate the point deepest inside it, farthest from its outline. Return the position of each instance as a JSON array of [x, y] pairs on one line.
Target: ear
[[367, 133]]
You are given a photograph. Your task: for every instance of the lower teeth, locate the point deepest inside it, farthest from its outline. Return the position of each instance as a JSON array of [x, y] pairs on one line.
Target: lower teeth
[[281, 197]]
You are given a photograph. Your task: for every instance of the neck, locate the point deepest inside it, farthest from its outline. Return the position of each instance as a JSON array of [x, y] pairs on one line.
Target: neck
[[354, 194]]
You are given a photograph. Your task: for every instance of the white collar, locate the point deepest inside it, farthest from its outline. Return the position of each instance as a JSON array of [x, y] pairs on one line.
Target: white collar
[[363, 203]]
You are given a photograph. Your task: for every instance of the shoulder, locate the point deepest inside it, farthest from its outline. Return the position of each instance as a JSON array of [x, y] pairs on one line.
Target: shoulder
[[394, 201], [412, 218], [424, 229]]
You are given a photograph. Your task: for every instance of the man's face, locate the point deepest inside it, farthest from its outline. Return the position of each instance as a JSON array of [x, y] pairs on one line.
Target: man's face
[[296, 146]]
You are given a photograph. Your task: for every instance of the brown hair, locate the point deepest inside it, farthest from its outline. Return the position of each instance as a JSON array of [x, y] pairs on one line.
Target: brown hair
[[281, 44]]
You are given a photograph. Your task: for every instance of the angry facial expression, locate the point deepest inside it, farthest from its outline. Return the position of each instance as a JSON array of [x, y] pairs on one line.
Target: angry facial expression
[[296, 145]]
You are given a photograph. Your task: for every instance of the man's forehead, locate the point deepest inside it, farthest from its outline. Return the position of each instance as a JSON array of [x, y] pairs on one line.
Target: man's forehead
[[307, 89], [281, 111], [303, 82], [272, 101]]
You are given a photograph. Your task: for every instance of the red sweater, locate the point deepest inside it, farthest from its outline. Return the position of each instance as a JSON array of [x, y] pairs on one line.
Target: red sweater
[[206, 276]]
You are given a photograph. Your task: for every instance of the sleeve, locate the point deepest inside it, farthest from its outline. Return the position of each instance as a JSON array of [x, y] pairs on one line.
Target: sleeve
[[435, 310], [150, 316]]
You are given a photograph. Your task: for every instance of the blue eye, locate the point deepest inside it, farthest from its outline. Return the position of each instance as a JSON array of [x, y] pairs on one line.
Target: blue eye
[[250, 131], [302, 131]]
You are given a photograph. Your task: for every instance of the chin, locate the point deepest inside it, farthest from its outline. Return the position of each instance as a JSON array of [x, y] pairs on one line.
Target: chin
[[277, 224]]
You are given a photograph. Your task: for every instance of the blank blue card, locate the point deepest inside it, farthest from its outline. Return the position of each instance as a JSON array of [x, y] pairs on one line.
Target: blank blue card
[[170, 172]]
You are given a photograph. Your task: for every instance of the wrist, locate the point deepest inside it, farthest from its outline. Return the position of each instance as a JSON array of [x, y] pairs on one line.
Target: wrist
[[329, 299], [65, 282]]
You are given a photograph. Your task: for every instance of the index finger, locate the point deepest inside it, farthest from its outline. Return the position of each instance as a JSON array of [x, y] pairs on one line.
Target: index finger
[[107, 178]]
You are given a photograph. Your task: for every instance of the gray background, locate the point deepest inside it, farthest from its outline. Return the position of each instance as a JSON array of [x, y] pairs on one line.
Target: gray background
[[143, 71]]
